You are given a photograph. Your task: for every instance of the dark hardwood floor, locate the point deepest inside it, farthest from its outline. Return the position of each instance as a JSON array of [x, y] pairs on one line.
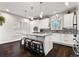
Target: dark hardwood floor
[[13, 50], [61, 51]]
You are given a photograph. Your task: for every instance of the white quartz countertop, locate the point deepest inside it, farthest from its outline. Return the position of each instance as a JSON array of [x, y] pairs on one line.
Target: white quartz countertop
[[40, 34], [36, 34]]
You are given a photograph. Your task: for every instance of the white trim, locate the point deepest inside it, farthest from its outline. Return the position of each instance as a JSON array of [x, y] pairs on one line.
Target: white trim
[[9, 41]]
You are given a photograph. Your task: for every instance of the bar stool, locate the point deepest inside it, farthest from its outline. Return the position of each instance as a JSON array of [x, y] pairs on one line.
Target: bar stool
[[37, 47], [28, 43], [22, 42]]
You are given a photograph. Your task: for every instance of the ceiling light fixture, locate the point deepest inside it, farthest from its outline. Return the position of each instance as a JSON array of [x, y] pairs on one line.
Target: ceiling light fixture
[[32, 12], [57, 15], [67, 3], [7, 10], [41, 14], [25, 20], [31, 18]]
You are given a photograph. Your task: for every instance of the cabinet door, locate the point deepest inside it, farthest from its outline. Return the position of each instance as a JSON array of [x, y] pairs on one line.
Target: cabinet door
[[56, 37], [34, 24], [68, 20], [44, 23], [68, 39]]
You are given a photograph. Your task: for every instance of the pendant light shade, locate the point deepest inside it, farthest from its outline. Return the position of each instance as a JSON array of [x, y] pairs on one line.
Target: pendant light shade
[[41, 14], [32, 12]]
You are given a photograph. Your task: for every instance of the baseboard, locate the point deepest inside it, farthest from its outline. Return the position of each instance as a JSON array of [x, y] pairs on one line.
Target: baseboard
[[9, 41]]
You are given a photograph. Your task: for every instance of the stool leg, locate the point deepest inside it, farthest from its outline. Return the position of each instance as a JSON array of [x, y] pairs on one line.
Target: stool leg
[[39, 50], [34, 49], [29, 44], [43, 50], [24, 43], [32, 45]]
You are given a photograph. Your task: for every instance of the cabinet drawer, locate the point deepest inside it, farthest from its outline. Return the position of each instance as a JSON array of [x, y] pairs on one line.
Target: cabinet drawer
[[67, 39]]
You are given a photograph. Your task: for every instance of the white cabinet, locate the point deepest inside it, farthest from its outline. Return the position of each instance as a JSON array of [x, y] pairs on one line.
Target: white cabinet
[[44, 23], [56, 38], [68, 39], [33, 24], [63, 39], [41, 24], [68, 20]]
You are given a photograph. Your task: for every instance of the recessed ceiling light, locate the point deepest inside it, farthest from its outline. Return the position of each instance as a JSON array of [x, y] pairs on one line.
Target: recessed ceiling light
[[30, 17], [7, 10], [67, 3], [57, 15]]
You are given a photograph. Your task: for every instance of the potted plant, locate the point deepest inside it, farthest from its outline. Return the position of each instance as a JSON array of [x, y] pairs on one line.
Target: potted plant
[[2, 20]]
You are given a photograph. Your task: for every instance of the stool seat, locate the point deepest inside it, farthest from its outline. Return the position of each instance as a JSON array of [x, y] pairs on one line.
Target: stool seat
[[36, 42], [28, 40]]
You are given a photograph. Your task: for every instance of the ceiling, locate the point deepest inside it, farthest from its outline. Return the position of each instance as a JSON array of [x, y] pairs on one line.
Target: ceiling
[[47, 7]]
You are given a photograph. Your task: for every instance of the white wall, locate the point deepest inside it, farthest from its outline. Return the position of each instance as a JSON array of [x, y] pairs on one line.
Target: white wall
[[10, 30]]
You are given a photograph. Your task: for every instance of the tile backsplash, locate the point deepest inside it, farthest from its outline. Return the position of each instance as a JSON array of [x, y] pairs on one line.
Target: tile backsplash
[[64, 30]]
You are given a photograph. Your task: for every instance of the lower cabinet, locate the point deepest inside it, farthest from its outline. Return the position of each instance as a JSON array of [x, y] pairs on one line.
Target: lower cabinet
[[64, 39], [68, 39]]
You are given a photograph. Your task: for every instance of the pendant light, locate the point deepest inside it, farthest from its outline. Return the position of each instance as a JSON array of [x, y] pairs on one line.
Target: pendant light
[[66, 3], [7, 10], [25, 20], [41, 14], [32, 12]]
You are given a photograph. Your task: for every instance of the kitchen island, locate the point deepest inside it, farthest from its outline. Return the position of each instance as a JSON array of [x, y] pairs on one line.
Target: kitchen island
[[49, 39], [41, 37]]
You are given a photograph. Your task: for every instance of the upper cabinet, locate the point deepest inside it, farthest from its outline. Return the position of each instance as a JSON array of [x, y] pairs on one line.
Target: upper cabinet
[[34, 26], [68, 20], [40, 24], [44, 23]]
